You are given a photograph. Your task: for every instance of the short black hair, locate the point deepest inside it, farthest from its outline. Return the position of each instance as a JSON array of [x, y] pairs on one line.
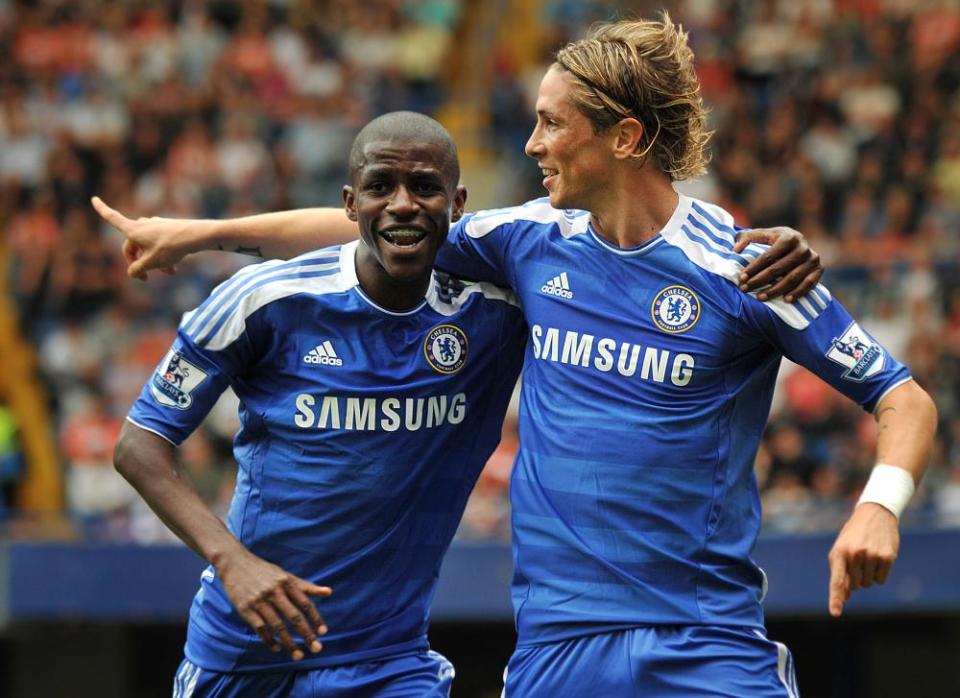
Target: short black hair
[[407, 126]]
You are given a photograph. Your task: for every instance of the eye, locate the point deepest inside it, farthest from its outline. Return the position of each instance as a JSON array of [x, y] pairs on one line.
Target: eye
[[427, 188], [377, 186]]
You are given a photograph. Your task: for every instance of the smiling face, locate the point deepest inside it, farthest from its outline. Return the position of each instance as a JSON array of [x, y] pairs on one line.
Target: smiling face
[[404, 195], [574, 159]]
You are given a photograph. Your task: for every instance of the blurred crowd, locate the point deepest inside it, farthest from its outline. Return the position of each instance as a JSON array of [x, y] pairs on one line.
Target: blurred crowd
[[838, 117], [178, 108]]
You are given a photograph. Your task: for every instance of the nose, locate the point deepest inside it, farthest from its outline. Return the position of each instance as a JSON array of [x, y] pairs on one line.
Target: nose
[[534, 146], [402, 203]]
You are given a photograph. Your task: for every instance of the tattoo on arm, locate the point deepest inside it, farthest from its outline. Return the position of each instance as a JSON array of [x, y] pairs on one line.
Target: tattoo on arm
[[251, 251]]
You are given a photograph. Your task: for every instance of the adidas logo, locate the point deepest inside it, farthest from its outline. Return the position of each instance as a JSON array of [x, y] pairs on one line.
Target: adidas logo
[[324, 355], [558, 286]]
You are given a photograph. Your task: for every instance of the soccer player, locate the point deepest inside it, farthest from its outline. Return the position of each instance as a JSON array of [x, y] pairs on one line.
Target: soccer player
[[372, 392], [647, 380]]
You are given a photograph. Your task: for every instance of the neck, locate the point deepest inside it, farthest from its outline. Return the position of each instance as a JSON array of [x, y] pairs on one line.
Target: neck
[[389, 293], [637, 210]]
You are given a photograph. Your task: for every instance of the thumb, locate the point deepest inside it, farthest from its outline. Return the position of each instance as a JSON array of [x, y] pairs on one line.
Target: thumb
[[744, 238], [135, 265], [839, 584], [136, 270]]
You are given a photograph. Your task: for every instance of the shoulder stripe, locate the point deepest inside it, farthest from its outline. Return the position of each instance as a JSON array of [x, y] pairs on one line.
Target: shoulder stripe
[[808, 306], [815, 295], [232, 324], [699, 239], [722, 235], [223, 298], [702, 250], [232, 284], [714, 217], [249, 300], [569, 222]]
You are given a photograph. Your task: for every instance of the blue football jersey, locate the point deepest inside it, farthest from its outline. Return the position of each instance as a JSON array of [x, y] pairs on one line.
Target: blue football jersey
[[646, 387], [362, 434]]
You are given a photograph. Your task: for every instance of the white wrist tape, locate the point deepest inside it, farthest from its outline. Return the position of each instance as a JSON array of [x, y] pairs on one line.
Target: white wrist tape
[[890, 487]]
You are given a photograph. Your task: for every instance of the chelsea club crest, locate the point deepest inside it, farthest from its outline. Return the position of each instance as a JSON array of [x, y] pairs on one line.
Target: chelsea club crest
[[675, 309], [446, 348]]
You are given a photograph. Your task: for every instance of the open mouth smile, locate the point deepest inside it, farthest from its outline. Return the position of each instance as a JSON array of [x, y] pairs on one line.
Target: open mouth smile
[[548, 175], [403, 237]]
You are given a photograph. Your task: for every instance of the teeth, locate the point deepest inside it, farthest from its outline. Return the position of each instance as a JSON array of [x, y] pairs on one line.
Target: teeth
[[548, 172], [403, 237]]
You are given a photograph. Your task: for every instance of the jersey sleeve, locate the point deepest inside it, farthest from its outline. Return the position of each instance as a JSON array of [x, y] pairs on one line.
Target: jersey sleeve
[[818, 333], [187, 383], [478, 257]]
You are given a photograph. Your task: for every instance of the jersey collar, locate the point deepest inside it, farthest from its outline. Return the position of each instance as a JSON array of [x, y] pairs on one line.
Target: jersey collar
[[348, 267], [677, 219]]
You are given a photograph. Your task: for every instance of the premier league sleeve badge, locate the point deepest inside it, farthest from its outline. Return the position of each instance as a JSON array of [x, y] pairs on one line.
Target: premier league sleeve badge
[[175, 380]]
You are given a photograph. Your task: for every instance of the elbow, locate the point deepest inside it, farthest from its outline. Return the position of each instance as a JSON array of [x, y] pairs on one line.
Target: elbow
[[930, 409], [922, 405], [128, 452], [140, 455], [123, 454], [912, 400]]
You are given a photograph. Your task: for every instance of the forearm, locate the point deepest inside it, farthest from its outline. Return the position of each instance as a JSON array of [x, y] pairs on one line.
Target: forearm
[[907, 421], [149, 464], [279, 235], [266, 596], [869, 542]]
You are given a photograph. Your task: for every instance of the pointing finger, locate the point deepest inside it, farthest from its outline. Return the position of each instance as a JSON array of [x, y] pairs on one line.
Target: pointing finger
[[839, 584], [110, 215]]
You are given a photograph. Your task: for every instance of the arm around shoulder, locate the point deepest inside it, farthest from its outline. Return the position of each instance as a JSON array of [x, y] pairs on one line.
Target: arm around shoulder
[[160, 243]]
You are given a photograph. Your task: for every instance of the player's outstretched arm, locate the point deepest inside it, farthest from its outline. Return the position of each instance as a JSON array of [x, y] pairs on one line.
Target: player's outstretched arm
[[869, 542], [160, 243], [266, 596], [790, 266]]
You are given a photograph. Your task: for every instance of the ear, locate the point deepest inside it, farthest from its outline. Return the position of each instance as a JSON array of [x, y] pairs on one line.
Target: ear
[[459, 201], [626, 138], [350, 202]]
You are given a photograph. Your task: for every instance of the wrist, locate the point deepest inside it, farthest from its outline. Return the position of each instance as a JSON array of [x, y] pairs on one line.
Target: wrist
[[889, 486], [202, 235], [223, 558]]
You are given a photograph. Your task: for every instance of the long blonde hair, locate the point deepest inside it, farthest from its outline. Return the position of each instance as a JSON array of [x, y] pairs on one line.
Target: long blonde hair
[[643, 69]]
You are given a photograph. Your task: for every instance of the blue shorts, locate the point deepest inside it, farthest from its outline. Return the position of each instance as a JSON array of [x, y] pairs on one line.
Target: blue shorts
[[427, 674], [691, 661]]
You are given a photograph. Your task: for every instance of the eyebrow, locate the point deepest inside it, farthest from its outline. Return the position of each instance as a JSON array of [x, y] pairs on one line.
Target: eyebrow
[[375, 170]]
